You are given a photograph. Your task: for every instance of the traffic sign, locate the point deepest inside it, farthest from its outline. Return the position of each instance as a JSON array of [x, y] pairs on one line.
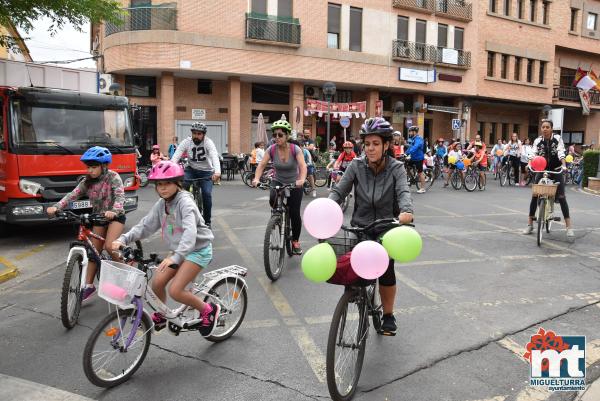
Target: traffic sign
[[456, 123], [345, 122]]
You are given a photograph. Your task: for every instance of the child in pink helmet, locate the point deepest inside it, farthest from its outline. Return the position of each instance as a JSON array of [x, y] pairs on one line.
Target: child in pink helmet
[[156, 156], [189, 241]]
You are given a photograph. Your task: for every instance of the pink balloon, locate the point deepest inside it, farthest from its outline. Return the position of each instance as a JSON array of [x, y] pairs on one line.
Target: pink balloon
[[369, 259], [323, 218]]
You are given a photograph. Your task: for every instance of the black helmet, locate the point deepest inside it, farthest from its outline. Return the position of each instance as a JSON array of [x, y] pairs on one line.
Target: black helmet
[[376, 126], [413, 128]]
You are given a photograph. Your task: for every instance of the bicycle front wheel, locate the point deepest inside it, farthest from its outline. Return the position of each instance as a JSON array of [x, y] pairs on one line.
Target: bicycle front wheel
[[346, 346], [143, 178], [456, 181], [274, 248], [70, 298], [540, 220], [107, 359], [231, 294], [503, 175], [470, 181], [321, 177], [549, 215]]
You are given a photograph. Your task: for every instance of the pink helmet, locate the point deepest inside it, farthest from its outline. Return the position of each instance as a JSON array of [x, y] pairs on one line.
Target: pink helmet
[[166, 170], [155, 147]]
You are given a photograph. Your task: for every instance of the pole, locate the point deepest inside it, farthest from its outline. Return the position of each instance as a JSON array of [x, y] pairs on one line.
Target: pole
[[328, 121], [344, 134]]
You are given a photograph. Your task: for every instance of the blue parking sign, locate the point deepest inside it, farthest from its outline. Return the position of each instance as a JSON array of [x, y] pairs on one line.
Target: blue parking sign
[[455, 124]]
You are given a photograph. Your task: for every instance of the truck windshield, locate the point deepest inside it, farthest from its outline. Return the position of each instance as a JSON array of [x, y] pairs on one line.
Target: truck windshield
[[54, 128]]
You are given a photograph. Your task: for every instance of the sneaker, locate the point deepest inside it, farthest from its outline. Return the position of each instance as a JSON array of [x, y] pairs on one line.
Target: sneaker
[[87, 293], [388, 327], [445, 184], [296, 248], [421, 191], [528, 230], [570, 233], [209, 319], [160, 322], [314, 193]]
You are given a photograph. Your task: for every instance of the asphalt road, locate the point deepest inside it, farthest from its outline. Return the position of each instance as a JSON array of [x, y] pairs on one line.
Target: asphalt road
[[466, 308]]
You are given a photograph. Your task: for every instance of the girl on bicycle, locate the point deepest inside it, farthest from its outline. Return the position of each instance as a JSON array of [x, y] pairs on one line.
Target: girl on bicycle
[[344, 159], [514, 150], [104, 188], [377, 172], [189, 241], [455, 153], [156, 156], [290, 168]]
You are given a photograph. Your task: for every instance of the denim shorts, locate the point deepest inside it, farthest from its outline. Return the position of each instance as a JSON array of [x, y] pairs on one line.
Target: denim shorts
[[201, 257]]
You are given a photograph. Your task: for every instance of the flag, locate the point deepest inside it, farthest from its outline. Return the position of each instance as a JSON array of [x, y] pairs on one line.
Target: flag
[[586, 83], [592, 75], [584, 96], [578, 75]]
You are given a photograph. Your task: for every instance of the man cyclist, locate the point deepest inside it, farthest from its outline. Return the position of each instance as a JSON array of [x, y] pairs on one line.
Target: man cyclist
[[377, 172], [203, 162], [416, 152], [552, 148]]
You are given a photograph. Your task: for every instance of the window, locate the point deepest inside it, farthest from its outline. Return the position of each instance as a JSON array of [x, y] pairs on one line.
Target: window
[[442, 35], [573, 27], [259, 6], [493, 132], [520, 9], [273, 94], [205, 86], [490, 64], [141, 17], [284, 8], [567, 77], [492, 6], [507, 7], [505, 131], [355, 29], [402, 28], [517, 68], [333, 25], [529, 70], [459, 34], [532, 7], [517, 129], [420, 38], [592, 21], [542, 72], [140, 86], [504, 67], [545, 12]]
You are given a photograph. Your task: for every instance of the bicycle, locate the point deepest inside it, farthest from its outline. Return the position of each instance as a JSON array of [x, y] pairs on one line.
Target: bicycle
[[143, 172], [80, 253], [123, 336], [350, 321], [472, 179], [413, 176], [196, 191], [278, 234], [457, 179], [545, 190], [321, 176], [346, 201]]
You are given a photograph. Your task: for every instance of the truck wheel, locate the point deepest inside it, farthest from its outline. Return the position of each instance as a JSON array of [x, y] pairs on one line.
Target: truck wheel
[[3, 229]]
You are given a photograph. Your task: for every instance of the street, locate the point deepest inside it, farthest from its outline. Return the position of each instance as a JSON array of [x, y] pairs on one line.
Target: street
[[466, 308]]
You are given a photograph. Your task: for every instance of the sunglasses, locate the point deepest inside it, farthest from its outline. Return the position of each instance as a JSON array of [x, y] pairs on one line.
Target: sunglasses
[[278, 135]]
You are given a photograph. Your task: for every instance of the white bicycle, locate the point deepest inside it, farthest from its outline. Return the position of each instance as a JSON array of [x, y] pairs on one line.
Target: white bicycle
[[119, 343]]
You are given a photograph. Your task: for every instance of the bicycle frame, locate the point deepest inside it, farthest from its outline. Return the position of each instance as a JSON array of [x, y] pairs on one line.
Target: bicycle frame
[[87, 245]]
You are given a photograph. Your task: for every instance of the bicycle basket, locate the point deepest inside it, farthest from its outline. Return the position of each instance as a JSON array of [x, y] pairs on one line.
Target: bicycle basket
[[120, 282], [342, 246], [548, 190]]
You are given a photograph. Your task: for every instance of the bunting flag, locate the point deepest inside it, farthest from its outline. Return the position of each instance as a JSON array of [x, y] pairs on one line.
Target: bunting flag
[[356, 109]]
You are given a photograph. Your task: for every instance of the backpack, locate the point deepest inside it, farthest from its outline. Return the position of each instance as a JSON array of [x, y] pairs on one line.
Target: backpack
[[272, 151]]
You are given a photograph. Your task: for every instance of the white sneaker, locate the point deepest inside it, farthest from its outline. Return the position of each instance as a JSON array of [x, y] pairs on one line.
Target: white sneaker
[[421, 191], [570, 233], [528, 230], [314, 193]]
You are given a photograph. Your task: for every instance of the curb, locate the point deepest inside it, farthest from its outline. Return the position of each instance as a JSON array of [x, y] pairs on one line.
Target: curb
[[591, 191], [7, 270], [16, 389]]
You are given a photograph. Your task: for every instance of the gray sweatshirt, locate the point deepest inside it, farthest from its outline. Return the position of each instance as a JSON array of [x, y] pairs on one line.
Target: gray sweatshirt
[[204, 156], [374, 195], [182, 228]]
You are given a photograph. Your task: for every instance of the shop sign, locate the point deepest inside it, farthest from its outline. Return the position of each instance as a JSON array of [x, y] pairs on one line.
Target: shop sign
[[416, 75], [198, 114]]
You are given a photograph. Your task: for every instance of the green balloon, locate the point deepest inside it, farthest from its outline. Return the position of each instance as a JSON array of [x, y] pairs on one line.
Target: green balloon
[[319, 263], [403, 244]]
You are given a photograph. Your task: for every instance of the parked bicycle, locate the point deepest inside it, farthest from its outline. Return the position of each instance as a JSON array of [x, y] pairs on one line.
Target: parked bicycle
[[545, 190], [118, 345]]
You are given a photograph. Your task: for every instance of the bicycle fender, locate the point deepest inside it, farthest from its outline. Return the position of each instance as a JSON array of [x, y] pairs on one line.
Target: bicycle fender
[[211, 283], [80, 250]]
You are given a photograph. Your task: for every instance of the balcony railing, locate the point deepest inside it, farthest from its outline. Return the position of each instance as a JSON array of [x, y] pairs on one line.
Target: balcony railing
[[456, 9], [571, 94], [420, 52], [144, 18], [273, 29]]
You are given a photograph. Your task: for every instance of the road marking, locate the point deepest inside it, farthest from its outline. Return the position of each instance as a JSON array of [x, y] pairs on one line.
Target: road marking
[[437, 209], [9, 272], [457, 245], [259, 324], [432, 296], [311, 352], [496, 398], [514, 347], [533, 394], [29, 253]]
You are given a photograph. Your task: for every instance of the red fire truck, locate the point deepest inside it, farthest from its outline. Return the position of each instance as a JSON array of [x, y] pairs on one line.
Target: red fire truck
[[43, 134]]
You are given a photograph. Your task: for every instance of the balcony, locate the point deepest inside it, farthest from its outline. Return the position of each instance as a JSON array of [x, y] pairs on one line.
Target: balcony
[[269, 28], [455, 9], [428, 54], [571, 94], [144, 18]]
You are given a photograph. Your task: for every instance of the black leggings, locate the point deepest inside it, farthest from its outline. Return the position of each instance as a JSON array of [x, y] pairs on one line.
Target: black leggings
[[560, 195], [294, 202], [515, 163], [387, 279]]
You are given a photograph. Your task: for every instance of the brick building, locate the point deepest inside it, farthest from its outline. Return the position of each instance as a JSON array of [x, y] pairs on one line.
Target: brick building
[[493, 64]]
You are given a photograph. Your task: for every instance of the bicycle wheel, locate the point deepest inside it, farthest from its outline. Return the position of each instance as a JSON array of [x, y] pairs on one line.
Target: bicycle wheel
[[70, 298], [288, 235], [321, 177], [273, 248], [549, 216], [540, 220], [470, 180], [346, 346], [198, 196], [143, 178], [306, 187], [377, 307], [429, 178], [456, 180], [503, 175], [232, 296], [107, 360]]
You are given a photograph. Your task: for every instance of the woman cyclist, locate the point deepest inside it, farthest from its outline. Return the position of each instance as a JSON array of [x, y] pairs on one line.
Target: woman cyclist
[[498, 153], [104, 188], [377, 172], [290, 168], [513, 151]]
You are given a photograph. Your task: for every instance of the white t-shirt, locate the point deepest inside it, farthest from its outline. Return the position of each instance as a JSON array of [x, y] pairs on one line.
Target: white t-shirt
[[456, 154], [260, 153]]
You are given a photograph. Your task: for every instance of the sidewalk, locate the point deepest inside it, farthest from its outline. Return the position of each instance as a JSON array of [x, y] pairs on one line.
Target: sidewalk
[[7, 270], [592, 393], [13, 388]]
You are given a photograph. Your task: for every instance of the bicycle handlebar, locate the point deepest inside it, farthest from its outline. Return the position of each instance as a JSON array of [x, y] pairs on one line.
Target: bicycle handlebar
[[378, 222], [135, 255], [546, 171], [83, 218]]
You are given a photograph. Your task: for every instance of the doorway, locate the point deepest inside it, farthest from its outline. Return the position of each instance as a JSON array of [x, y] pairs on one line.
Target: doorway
[[144, 124]]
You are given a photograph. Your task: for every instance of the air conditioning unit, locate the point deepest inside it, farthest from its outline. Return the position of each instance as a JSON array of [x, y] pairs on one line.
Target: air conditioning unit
[[104, 82], [313, 92]]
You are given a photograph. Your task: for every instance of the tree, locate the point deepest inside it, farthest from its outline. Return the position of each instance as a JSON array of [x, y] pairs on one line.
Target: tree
[[24, 13]]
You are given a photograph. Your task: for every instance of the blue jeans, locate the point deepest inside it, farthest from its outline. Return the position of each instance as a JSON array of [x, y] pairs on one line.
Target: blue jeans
[[205, 185]]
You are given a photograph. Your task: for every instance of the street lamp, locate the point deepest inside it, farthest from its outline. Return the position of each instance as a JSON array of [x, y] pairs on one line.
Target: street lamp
[[328, 91]]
